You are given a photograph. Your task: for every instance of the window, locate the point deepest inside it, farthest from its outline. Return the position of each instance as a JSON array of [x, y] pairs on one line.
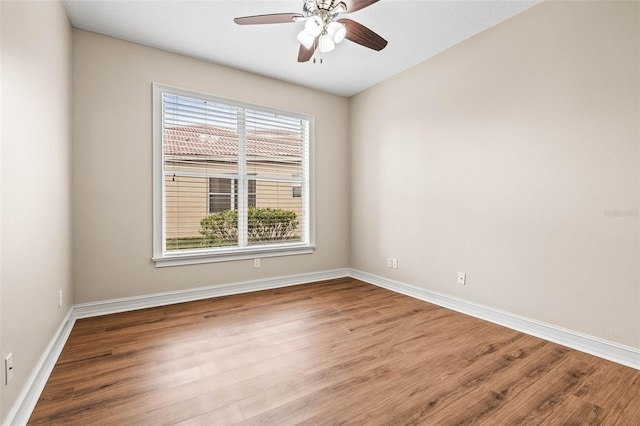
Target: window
[[231, 180], [223, 194], [296, 191]]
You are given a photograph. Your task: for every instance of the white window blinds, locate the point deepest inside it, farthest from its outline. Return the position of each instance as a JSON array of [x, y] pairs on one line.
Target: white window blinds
[[234, 177]]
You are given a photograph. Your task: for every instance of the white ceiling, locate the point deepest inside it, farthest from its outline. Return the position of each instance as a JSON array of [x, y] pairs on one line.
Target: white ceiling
[[416, 31]]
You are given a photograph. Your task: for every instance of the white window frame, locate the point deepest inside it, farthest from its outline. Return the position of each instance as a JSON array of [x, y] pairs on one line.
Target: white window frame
[[161, 256]]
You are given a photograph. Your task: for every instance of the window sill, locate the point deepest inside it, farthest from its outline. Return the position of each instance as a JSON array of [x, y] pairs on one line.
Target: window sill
[[194, 258]]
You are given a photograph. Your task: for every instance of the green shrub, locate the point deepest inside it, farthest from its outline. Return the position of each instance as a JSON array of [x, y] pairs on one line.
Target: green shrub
[[220, 228], [267, 224], [263, 225]]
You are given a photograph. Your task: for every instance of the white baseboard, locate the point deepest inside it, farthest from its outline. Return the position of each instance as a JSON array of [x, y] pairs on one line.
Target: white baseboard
[[26, 401], [611, 351], [85, 310]]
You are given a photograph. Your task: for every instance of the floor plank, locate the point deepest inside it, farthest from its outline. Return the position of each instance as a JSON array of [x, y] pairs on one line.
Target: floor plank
[[333, 352]]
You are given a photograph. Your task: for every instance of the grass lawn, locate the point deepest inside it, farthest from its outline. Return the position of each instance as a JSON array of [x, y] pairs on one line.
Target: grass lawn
[[189, 243]]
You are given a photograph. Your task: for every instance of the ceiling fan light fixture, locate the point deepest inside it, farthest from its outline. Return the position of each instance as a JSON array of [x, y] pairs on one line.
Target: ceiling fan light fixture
[[337, 31], [326, 44], [310, 6], [314, 26], [322, 27], [306, 39], [339, 8]]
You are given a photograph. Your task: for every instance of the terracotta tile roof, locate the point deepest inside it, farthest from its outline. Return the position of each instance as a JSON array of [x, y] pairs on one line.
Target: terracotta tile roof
[[207, 140]]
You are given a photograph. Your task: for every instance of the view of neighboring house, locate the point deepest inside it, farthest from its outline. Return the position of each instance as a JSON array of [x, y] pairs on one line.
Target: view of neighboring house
[[201, 166]]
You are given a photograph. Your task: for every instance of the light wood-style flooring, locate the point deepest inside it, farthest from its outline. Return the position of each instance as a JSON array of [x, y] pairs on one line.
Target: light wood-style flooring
[[334, 352]]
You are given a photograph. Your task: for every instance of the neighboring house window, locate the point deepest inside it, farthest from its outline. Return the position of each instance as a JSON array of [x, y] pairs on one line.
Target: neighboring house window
[[296, 188], [223, 194], [296, 191], [231, 180]]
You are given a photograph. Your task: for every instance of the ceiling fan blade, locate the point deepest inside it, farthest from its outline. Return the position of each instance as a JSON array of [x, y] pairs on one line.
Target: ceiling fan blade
[[275, 18], [353, 5], [360, 34], [305, 54]]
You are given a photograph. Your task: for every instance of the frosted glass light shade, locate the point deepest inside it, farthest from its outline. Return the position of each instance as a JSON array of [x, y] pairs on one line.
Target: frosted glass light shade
[[314, 26], [306, 39], [337, 31], [326, 43]]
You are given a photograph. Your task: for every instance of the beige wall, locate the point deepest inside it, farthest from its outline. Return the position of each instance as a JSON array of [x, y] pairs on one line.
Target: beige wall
[[512, 157], [112, 150], [36, 183]]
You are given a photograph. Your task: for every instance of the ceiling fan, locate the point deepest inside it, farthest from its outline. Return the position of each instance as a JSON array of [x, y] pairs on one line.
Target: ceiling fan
[[323, 28]]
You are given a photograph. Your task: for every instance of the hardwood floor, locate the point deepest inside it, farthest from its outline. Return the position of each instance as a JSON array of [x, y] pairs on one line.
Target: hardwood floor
[[334, 352]]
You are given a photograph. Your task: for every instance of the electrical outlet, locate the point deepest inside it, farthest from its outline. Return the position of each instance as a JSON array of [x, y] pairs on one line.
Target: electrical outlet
[[462, 278], [389, 264], [8, 368], [256, 263], [395, 263], [59, 299]]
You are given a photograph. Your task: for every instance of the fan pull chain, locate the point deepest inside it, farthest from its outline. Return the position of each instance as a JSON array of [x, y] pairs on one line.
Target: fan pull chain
[[320, 60]]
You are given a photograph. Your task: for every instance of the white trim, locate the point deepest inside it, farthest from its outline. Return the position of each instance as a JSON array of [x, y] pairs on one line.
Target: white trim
[[309, 177], [27, 399], [85, 310], [611, 351], [192, 258], [157, 170], [243, 189]]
